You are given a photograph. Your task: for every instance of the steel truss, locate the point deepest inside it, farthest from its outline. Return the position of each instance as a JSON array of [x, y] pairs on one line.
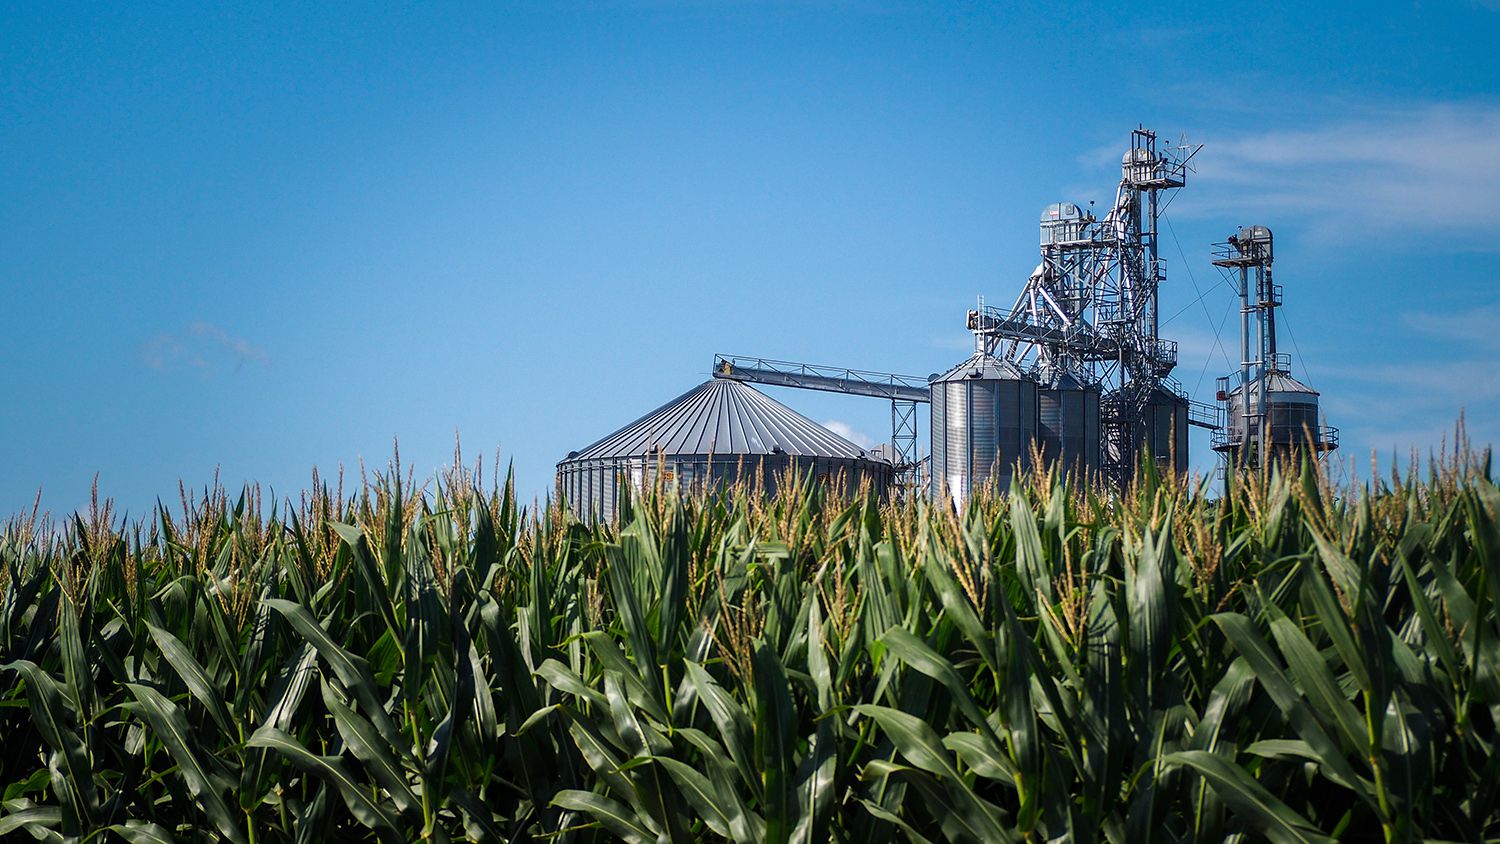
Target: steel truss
[[1090, 307], [905, 392]]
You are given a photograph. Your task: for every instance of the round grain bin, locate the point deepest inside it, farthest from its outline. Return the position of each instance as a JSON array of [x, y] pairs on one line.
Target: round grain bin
[[1291, 412], [1164, 430], [720, 431], [984, 419], [1068, 423]]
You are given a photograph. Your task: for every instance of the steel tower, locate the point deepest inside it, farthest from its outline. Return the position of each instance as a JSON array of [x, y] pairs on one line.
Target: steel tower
[[1090, 308], [1267, 414]]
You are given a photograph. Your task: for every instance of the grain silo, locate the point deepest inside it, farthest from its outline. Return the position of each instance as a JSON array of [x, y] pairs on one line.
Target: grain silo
[[1163, 429], [1289, 414], [721, 430], [984, 418], [1068, 423], [1268, 414]]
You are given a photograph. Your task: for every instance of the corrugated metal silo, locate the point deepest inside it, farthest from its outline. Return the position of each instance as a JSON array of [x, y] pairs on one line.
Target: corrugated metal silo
[[984, 419], [1164, 430], [1068, 423], [719, 431], [1291, 413]]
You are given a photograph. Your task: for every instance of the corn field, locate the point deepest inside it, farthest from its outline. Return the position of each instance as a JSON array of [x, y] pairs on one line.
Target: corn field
[[1280, 661]]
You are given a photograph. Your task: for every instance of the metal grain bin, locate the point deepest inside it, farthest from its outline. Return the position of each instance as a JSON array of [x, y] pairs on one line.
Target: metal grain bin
[[1291, 414], [1068, 423], [984, 419], [1164, 430], [720, 431]]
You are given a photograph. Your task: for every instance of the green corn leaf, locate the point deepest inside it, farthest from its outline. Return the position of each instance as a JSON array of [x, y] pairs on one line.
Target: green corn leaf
[[1150, 610], [1249, 799], [79, 687], [605, 764], [632, 613], [440, 747], [37, 822], [817, 656], [914, 652], [743, 823], [816, 771], [365, 743], [640, 737], [645, 695], [562, 678], [922, 748], [76, 783], [883, 814], [170, 727], [351, 670], [729, 718], [140, 832], [705, 799], [1317, 682], [957, 606], [1292, 705], [331, 769], [960, 814], [1283, 749], [982, 756], [1031, 562], [479, 821], [610, 814], [815, 785], [193, 676], [376, 585], [775, 737], [486, 722]]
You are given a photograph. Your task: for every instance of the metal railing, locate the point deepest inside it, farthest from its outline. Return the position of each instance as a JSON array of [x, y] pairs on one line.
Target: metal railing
[[816, 377], [1323, 438], [1204, 415]]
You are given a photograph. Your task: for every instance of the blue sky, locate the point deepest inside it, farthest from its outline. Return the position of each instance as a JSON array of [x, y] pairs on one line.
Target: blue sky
[[256, 240]]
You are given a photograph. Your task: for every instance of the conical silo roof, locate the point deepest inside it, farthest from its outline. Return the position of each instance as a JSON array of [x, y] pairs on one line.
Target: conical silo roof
[[981, 365], [1062, 380], [1277, 382], [721, 417]]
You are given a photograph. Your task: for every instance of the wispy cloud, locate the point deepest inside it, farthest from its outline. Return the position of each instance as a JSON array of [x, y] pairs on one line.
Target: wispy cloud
[[847, 431], [203, 347], [1414, 402], [1477, 327], [1410, 171]]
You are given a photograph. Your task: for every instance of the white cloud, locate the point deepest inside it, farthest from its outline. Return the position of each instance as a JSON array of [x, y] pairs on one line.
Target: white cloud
[[242, 350], [1478, 327], [845, 430], [1390, 408], [1417, 171], [202, 347]]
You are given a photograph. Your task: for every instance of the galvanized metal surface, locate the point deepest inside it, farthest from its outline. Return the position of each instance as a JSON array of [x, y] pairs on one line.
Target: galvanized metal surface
[[1068, 423], [722, 417], [1090, 307], [811, 376], [1268, 412], [721, 431], [1290, 414], [1163, 430], [905, 392], [984, 420]]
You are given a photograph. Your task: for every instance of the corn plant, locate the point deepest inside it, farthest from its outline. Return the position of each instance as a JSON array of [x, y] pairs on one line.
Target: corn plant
[[1280, 660]]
